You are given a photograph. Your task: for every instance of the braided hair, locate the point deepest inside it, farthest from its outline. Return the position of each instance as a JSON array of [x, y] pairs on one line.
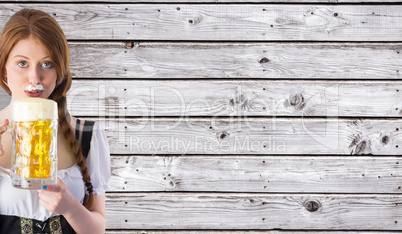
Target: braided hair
[[36, 24]]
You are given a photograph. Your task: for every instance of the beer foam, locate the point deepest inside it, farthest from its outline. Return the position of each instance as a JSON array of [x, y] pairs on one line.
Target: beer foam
[[33, 109], [30, 87]]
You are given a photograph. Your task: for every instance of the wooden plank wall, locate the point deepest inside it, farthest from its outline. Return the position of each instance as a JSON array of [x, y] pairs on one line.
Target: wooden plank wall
[[241, 115]]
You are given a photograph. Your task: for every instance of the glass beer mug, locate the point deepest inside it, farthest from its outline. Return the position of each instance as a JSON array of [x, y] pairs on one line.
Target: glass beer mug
[[34, 143]]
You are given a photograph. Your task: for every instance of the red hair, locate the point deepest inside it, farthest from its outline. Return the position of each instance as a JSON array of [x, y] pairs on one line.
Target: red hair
[[44, 29]]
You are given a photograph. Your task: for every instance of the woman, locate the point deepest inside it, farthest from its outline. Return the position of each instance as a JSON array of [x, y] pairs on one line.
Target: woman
[[34, 62]]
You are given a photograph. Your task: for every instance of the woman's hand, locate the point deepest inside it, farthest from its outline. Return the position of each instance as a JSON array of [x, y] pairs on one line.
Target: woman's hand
[[3, 129], [58, 198]]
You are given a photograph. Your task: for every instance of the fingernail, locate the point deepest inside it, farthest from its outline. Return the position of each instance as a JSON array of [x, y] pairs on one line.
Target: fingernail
[[44, 187]]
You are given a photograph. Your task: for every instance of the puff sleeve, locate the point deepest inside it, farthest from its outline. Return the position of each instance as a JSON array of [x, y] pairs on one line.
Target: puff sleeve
[[98, 161]]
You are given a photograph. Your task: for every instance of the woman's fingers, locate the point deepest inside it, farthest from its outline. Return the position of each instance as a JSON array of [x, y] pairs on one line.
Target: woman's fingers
[[3, 129]]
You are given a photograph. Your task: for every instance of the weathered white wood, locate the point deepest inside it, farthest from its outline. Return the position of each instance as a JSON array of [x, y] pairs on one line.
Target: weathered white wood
[[268, 136], [4, 99], [236, 60], [235, 98], [257, 174], [214, 1], [251, 211], [229, 22]]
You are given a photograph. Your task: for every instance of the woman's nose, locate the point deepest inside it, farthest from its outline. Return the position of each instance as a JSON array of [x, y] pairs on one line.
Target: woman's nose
[[34, 76]]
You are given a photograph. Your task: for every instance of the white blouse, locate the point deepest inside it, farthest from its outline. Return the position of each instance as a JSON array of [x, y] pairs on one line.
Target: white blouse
[[25, 203]]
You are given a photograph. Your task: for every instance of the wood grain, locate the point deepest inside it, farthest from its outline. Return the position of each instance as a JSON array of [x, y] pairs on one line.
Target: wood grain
[[256, 174], [267, 136], [226, 22], [183, 98], [214, 1], [241, 116], [236, 60], [4, 99], [251, 211]]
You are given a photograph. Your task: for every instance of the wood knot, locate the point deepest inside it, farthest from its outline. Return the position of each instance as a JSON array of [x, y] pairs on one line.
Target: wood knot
[[222, 135], [385, 140], [361, 147], [129, 45], [296, 99], [239, 101], [312, 206], [264, 60], [172, 184]]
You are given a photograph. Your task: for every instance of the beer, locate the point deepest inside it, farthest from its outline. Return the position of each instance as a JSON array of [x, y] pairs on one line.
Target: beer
[[33, 140], [34, 151]]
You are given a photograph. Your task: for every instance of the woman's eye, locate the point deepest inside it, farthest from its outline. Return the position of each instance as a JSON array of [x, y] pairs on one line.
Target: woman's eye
[[47, 65], [23, 64]]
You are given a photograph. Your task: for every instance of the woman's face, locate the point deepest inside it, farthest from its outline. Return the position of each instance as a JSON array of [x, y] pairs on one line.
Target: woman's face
[[30, 71]]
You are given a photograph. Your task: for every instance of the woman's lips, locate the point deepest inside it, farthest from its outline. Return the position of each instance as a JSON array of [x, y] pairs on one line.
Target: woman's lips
[[33, 93]]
